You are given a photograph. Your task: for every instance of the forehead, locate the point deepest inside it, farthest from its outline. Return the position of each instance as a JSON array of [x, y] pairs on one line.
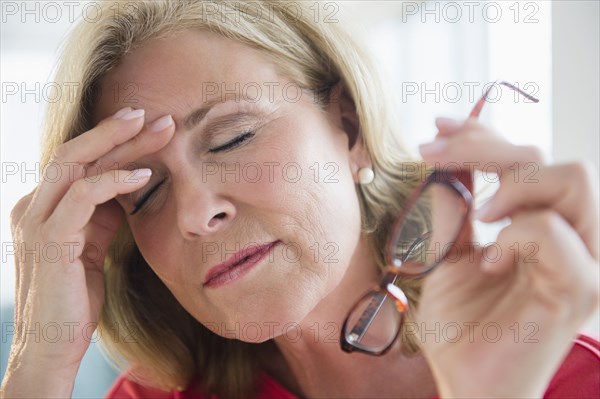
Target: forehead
[[173, 74]]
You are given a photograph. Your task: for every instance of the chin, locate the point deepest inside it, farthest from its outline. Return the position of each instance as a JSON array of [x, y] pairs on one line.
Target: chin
[[271, 305], [261, 323]]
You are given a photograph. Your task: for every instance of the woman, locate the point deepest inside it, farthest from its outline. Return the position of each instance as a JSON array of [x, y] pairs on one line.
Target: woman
[[254, 160]]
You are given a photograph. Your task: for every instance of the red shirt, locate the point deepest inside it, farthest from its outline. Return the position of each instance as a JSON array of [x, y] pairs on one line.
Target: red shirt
[[577, 377]]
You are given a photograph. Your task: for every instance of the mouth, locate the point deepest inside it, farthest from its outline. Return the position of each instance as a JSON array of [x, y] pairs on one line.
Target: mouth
[[237, 265]]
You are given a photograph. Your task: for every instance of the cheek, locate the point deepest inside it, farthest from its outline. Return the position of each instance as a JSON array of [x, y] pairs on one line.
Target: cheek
[[301, 179], [161, 251], [307, 195]]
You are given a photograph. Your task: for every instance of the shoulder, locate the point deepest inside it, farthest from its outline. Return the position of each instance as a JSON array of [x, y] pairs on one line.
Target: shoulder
[[125, 388], [579, 374]]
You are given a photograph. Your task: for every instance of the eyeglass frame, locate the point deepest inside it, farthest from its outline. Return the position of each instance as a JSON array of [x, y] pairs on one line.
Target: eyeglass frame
[[459, 181]]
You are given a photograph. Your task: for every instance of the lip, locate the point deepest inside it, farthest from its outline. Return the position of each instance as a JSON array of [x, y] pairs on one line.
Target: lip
[[236, 267]]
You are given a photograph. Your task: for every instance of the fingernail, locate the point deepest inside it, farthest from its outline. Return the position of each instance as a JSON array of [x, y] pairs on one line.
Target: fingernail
[[142, 173], [138, 113], [161, 123], [447, 122], [434, 147], [121, 112]]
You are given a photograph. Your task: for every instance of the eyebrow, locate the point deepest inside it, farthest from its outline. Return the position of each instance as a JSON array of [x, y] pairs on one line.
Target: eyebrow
[[195, 117]]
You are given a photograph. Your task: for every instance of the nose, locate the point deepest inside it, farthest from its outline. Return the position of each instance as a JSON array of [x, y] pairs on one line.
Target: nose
[[201, 212]]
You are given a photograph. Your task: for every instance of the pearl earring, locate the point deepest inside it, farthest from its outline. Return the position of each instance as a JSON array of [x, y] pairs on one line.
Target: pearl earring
[[365, 175]]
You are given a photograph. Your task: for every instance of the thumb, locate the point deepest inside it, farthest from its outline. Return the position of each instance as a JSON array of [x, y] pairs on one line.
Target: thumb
[[101, 230]]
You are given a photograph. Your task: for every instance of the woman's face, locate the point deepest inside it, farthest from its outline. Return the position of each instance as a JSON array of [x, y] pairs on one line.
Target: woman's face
[[289, 182]]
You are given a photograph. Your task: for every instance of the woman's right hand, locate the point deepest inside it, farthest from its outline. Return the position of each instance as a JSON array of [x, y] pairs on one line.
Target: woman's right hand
[[62, 231]]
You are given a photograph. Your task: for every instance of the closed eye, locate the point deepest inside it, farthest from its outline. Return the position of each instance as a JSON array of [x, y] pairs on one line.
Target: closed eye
[[234, 143], [239, 140], [145, 197]]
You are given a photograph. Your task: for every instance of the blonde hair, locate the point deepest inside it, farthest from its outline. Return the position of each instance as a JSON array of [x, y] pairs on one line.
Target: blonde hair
[[169, 347]]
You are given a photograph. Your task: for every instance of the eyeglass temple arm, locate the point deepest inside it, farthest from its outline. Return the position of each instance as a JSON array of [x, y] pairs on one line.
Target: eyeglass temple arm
[[367, 317], [477, 109]]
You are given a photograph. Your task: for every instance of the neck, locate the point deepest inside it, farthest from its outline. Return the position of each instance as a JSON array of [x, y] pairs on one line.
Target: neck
[[312, 364]]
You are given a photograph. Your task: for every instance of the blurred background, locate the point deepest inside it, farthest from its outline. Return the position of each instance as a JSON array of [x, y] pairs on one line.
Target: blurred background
[[439, 57]]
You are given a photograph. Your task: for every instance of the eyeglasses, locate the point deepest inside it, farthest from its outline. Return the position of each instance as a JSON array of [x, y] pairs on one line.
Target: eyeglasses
[[423, 236]]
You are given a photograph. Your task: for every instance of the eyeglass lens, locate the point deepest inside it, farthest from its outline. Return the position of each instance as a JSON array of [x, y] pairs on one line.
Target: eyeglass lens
[[429, 229]]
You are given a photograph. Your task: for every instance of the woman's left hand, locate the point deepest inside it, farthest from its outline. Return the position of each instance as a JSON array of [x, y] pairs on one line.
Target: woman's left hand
[[502, 328]]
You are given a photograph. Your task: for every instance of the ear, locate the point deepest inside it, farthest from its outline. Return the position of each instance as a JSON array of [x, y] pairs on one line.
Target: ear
[[342, 110]]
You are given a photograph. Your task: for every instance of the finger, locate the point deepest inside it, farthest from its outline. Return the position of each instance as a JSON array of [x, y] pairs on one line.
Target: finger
[[447, 126], [117, 115], [151, 139], [18, 211], [91, 145], [71, 157], [76, 208], [542, 244], [476, 146], [569, 189]]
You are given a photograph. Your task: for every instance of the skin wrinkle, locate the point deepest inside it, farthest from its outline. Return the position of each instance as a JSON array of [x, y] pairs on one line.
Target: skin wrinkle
[[313, 223], [171, 235]]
